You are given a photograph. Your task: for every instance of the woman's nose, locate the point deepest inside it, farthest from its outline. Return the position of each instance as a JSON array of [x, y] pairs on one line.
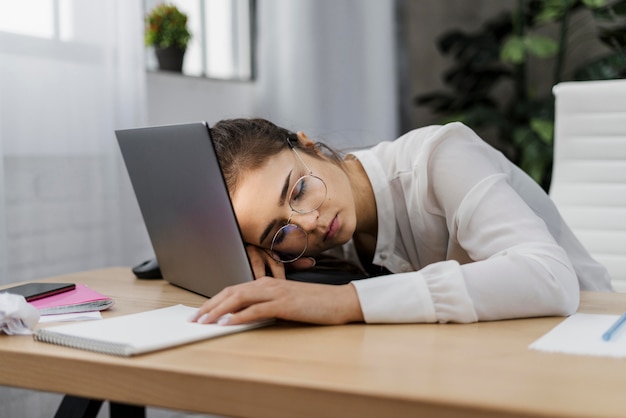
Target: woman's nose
[[306, 221]]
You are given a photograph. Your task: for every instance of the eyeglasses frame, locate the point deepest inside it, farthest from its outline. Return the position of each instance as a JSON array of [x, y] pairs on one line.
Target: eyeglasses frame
[[306, 234]]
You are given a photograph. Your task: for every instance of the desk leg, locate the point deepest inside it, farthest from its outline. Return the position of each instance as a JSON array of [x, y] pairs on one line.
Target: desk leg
[[120, 410], [76, 407]]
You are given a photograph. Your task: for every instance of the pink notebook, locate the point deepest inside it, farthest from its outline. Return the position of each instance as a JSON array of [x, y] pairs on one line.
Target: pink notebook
[[81, 299]]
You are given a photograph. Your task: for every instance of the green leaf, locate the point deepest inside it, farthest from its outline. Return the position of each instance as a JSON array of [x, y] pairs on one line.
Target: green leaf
[[166, 26], [540, 46], [549, 14], [515, 48], [513, 51], [553, 10], [544, 129], [521, 137], [594, 4]]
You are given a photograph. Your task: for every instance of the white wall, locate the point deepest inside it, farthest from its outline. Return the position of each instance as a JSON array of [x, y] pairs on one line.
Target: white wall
[[173, 98], [328, 68]]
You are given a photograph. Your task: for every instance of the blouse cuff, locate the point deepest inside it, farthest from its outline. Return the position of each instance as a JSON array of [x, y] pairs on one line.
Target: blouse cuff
[[397, 298], [446, 284]]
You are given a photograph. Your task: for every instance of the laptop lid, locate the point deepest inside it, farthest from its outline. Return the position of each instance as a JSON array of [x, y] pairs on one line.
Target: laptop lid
[[185, 206]]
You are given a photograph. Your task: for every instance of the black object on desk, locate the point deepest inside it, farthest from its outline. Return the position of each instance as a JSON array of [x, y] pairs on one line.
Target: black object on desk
[[34, 291], [149, 269]]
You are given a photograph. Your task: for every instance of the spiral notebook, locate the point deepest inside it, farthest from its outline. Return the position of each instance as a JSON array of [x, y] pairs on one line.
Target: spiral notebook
[[139, 333]]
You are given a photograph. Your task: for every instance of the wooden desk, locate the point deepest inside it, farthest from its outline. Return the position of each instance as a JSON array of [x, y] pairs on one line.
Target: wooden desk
[[292, 370]]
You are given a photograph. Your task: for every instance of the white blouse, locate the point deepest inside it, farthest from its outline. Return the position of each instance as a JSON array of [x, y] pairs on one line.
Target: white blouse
[[467, 235]]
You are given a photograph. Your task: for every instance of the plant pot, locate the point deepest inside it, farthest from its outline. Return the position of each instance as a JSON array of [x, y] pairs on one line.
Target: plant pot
[[170, 58]]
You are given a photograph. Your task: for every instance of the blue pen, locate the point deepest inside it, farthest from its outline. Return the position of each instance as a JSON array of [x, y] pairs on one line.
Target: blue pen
[[614, 328]]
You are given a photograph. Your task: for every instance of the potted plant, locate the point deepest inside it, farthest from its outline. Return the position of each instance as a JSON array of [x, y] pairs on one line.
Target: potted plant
[[166, 30]]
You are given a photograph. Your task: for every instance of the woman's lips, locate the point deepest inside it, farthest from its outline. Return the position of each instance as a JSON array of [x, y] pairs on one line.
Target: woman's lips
[[332, 229]]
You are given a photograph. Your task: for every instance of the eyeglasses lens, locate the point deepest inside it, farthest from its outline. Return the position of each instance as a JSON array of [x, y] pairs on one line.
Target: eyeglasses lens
[[289, 243], [307, 195]]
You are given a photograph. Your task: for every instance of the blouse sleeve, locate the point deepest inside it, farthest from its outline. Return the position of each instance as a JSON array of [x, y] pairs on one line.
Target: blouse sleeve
[[518, 270]]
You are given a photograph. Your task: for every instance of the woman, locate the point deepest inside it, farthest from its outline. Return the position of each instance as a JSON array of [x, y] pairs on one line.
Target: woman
[[448, 228]]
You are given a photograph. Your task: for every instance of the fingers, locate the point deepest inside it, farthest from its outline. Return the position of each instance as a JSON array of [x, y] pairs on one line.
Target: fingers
[[232, 300], [277, 269], [252, 313], [260, 258], [257, 260]]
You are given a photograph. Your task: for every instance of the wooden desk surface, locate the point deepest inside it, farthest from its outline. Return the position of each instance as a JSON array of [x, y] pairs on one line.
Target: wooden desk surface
[[293, 370]]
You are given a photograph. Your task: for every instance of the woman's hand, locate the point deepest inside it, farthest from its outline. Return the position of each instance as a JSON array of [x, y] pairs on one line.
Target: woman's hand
[[261, 257], [267, 297]]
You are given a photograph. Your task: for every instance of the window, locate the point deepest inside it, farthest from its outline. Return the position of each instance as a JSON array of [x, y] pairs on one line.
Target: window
[[49, 19], [222, 31]]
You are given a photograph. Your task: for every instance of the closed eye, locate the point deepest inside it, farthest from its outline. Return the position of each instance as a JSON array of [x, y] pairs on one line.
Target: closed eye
[[299, 190], [279, 237], [281, 201]]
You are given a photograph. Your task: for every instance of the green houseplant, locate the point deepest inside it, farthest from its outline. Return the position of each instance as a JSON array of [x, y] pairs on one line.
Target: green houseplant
[[499, 56], [167, 31]]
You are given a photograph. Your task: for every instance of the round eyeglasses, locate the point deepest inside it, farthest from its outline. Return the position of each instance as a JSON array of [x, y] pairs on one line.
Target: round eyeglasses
[[308, 193]]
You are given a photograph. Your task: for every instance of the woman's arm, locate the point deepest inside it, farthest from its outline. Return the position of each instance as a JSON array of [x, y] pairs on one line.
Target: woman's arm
[[520, 270], [499, 261], [267, 297]]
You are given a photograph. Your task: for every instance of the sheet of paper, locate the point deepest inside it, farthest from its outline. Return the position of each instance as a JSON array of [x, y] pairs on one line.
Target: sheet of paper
[[80, 316], [581, 334]]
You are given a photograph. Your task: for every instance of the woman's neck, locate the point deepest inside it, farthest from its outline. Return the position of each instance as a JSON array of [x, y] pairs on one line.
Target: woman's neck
[[364, 200]]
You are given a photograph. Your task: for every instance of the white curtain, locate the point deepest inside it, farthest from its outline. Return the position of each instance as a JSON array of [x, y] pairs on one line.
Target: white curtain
[[66, 203], [328, 68], [3, 232]]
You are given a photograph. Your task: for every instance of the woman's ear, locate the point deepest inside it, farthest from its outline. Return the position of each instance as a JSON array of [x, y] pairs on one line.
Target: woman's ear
[[304, 140]]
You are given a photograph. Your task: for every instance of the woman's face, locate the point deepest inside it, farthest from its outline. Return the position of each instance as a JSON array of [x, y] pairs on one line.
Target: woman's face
[[261, 202]]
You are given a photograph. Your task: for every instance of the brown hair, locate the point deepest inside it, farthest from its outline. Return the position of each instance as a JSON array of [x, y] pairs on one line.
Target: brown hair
[[246, 144]]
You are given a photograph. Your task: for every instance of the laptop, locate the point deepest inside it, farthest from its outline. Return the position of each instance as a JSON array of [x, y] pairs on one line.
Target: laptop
[[185, 206]]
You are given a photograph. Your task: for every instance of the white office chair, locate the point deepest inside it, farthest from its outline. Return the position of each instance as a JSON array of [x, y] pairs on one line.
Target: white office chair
[[589, 174]]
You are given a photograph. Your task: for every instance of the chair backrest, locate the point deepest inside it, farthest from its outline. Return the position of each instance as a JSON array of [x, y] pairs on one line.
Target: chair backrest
[[589, 174]]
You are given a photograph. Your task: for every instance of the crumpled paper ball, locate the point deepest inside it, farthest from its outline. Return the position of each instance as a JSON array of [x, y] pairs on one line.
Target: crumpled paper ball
[[17, 317]]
